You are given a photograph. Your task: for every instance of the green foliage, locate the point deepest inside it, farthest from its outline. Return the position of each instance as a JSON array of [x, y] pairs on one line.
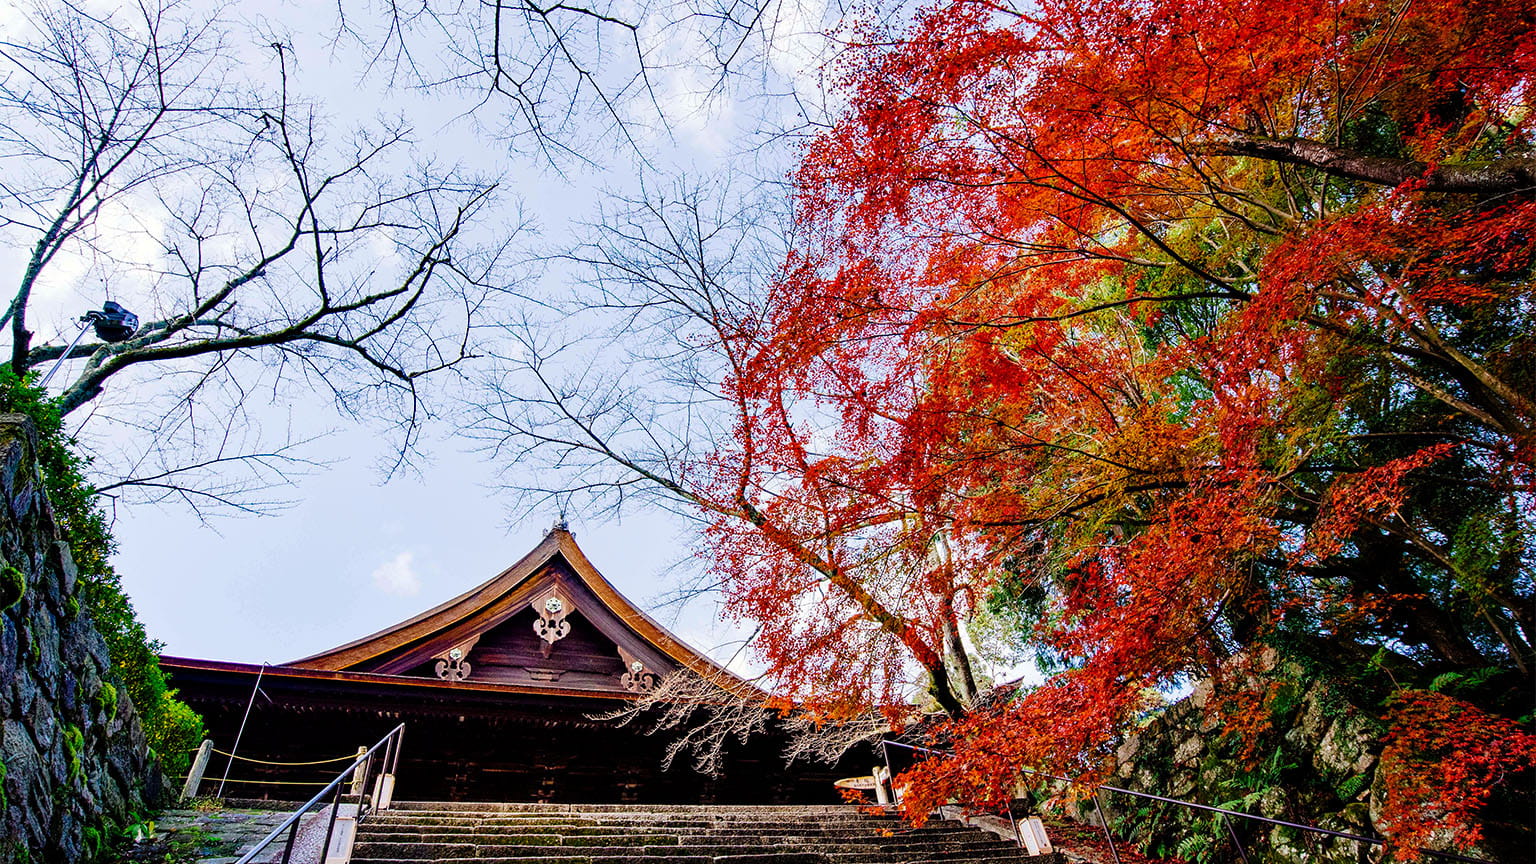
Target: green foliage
[[169, 723], [1285, 702], [1462, 683], [1203, 843], [3, 799], [1352, 786], [13, 584], [139, 830], [180, 730]]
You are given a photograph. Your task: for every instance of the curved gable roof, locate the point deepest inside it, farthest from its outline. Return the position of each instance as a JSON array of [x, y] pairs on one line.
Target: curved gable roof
[[557, 561]]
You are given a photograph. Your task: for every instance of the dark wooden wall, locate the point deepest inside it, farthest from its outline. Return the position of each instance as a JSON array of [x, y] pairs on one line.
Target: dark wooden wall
[[556, 756]]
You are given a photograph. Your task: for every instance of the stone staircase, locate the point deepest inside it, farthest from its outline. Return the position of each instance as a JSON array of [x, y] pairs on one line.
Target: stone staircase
[[684, 834]]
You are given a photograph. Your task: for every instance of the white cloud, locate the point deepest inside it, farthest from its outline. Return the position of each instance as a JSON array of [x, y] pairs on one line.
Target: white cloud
[[398, 576]]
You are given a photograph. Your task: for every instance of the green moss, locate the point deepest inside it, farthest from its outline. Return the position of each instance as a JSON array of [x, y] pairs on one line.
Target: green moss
[[3, 799], [74, 746], [13, 586], [71, 606], [195, 843], [105, 701], [1285, 702], [92, 842]]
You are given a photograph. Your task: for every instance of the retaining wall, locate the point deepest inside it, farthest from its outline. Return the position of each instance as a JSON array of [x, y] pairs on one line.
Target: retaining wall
[[75, 761]]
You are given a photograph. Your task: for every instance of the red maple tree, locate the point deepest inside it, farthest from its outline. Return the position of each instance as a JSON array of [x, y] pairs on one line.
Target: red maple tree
[[1188, 326]]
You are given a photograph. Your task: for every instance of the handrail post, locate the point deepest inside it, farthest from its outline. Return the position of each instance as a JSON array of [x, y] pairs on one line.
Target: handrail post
[[359, 771], [1104, 820], [890, 774], [399, 743], [368, 757], [1242, 853], [293, 833], [330, 827]]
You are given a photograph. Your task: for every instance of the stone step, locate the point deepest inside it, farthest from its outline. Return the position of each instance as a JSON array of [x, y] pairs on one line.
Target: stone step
[[687, 831], [696, 835], [810, 829], [640, 818], [535, 837], [875, 844], [756, 858], [812, 825], [1006, 852], [417, 832], [647, 809], [441, 848]]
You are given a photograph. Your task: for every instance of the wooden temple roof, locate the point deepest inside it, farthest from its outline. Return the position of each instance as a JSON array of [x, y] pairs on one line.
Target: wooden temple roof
[[549, 624]]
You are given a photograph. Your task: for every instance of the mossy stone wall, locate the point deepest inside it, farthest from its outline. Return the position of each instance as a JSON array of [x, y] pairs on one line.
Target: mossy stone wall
[[75, 761]]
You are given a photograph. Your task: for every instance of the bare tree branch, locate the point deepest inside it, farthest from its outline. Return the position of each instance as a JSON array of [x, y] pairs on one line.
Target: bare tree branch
[[270, 249]]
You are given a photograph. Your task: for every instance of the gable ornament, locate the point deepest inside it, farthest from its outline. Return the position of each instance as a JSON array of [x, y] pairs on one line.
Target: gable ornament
[[453, 664], [552, 625], [637, 677]]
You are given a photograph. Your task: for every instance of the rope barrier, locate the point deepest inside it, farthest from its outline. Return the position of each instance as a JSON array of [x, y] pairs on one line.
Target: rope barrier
[[266, 762], [280, 782]]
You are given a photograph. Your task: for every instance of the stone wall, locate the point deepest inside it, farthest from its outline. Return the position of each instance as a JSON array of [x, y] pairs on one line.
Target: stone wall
[[75, 760], [1318, 767]]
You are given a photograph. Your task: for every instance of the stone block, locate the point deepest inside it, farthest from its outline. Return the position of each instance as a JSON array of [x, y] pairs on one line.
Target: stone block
[[23, 694], [1188, 751], [68, 575], [10, 648]]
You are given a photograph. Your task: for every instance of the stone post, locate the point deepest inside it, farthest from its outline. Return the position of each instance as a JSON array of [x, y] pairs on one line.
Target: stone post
[[384, 791], [882, 776], [195, 775], [360, 774]]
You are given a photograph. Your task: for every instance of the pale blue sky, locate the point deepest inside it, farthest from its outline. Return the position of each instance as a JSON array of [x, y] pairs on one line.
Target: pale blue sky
[[353, 555]]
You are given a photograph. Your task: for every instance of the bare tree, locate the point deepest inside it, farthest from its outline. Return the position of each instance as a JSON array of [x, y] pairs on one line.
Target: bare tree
[[704, 714], [265, 252], [641, 396], [552, 67]]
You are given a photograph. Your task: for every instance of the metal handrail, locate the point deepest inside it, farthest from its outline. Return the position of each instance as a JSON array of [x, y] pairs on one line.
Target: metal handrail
[[391, 757], [1103, 817]]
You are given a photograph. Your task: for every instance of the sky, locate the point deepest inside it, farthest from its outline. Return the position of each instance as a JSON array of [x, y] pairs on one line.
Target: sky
[[355, 550]]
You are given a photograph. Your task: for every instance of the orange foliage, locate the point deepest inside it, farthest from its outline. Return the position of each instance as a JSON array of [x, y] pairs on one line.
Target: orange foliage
[[1442, 758], [1116, 299]]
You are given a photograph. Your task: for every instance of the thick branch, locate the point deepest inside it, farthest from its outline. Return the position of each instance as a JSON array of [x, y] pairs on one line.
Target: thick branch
[[1500, 177]]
